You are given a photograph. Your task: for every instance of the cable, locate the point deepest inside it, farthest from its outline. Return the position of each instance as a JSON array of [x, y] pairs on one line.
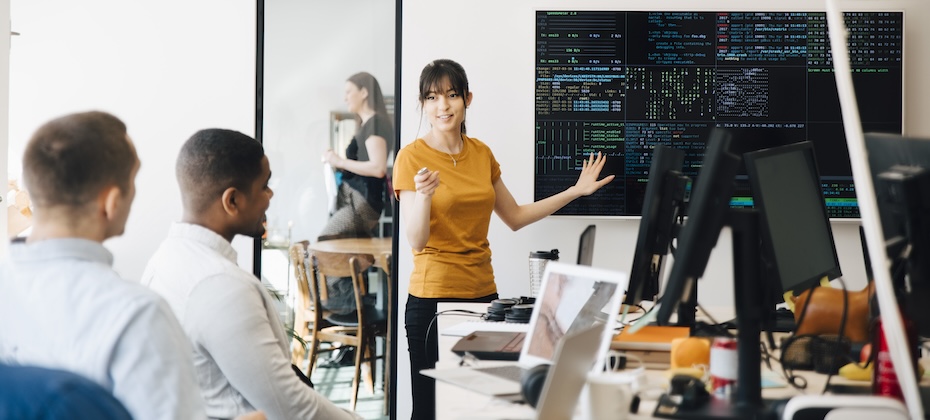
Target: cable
[[839, 338], [426, 341], [436, 316], [796, 381], [628, 322], [714, 328], [460, 311]]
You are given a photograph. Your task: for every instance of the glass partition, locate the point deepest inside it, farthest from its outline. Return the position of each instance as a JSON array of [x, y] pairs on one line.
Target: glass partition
[[315, 66]]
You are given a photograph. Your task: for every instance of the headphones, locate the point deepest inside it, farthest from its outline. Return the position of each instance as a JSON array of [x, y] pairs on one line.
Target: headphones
[[531, 384], [517, 310], [532, 381]]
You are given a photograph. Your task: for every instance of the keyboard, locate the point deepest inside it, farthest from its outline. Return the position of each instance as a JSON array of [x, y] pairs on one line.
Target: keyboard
[[464, 328], [511, 372]]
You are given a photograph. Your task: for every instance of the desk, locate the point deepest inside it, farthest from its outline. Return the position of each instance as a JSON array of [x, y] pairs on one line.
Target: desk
[[453, 402]]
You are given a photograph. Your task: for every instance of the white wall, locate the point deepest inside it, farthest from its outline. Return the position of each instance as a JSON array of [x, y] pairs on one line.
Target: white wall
[[494, 41], [311, 48], [167, 68]]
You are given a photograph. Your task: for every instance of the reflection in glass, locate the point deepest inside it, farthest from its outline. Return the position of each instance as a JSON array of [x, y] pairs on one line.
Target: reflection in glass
[[309, 50], [361, 182]]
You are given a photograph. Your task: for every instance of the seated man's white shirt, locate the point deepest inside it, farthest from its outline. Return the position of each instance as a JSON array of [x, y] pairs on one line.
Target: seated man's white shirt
[[63, 307], [241, 350]]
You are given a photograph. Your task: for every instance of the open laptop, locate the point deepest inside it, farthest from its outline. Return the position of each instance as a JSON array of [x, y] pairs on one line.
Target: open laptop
[[494, 343], [572, 298], [573, 360]]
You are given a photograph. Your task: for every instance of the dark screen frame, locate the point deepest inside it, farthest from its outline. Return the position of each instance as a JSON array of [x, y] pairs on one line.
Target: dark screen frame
[[708, 210], [774, 242], [662, 203]]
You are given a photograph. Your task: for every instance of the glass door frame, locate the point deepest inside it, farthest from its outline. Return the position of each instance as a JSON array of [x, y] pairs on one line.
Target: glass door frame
[[391, 359]]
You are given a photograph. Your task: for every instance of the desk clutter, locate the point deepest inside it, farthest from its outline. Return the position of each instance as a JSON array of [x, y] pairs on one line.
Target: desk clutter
[[518, 310], [652, 344], [498, 345]]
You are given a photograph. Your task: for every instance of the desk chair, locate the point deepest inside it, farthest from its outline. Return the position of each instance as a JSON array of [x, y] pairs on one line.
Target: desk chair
[[33, 392], [358, 329]]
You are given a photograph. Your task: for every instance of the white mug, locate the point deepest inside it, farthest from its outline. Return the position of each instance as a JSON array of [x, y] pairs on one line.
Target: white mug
[[610, 395]]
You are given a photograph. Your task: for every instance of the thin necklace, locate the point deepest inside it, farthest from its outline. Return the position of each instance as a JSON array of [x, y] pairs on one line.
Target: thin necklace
[[455, 163]]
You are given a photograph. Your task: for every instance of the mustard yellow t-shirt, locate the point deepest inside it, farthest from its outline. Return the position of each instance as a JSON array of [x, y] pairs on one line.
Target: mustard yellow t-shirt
[[456, 262]]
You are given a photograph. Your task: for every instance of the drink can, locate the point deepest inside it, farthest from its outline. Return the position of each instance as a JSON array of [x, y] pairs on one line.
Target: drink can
[[884, 379], [724, 363]]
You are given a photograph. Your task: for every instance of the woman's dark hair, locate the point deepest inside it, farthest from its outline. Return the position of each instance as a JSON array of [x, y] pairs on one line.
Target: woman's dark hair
[[437, 72], [368, 82]]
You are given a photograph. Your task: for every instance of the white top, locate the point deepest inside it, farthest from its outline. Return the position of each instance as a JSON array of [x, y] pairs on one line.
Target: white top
[[241, 351], [63, 307]]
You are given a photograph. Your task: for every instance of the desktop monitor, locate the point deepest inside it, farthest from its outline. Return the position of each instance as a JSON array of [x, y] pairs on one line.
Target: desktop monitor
[[586, 246], [707, 210], [900, 169], [662, 203], [797, 240]]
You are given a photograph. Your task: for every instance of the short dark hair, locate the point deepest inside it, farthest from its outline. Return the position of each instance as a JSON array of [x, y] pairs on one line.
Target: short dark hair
[[444, 69], [70, 159], [213, 160]]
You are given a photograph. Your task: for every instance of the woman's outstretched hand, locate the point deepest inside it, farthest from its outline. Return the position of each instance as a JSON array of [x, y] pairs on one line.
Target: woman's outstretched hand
[[591, 169]]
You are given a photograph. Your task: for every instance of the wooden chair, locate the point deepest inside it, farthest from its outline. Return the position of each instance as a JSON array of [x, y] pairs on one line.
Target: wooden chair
[[306, 319], [358, 329], [389, 295]]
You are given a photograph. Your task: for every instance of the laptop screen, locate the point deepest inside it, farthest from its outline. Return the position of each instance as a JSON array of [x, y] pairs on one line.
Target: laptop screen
[[572, 298]]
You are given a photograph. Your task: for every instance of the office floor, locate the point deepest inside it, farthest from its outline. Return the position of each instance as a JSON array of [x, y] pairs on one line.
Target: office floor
[[336, 385]]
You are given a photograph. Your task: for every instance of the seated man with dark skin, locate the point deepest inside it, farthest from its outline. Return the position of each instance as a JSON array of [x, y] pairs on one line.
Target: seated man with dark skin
[[241, 350]]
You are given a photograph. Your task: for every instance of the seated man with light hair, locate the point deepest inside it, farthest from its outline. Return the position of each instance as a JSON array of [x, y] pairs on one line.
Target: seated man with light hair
[[62, 305]]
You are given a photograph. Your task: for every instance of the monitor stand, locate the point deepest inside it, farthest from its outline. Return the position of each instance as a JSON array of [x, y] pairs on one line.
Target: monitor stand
[[716, 409], [779, 320], [782, 321], [747, 403]]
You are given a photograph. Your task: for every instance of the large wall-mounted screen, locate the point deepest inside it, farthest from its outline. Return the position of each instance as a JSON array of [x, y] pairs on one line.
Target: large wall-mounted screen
[[622, 82]]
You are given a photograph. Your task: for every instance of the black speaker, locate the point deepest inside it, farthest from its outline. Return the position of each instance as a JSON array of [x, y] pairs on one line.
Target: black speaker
[[531, 384]]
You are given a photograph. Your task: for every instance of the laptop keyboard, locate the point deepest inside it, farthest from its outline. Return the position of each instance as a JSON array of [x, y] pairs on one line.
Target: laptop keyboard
[[511, 372]]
